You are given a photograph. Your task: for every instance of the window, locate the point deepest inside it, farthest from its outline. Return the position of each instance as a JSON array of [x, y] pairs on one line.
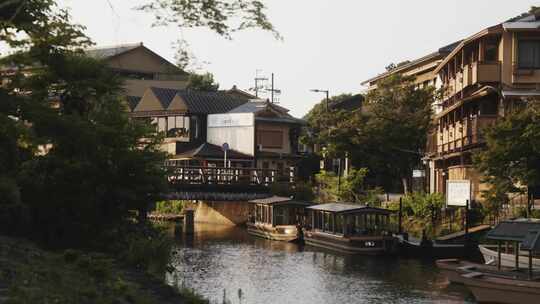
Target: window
[[492, 52], [279, 216], [270, 139], [529, 54], [339, 224]]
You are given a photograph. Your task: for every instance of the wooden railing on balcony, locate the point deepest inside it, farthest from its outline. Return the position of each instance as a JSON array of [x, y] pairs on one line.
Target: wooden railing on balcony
[[477, 72], [229, 176], [464, 133]]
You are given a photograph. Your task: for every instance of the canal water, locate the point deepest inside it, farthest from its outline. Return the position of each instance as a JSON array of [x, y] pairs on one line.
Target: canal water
[[225, 262]]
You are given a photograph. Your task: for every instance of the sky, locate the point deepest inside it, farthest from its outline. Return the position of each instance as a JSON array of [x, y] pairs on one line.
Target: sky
[[328, 44]]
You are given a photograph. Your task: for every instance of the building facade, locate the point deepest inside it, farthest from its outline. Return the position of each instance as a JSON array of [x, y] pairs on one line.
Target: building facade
[[483, 78]]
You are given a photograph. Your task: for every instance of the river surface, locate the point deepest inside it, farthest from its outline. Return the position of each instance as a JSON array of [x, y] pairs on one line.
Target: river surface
[[220, 262]]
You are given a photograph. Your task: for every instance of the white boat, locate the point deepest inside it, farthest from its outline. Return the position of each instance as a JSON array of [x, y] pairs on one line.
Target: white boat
[[507, 259]]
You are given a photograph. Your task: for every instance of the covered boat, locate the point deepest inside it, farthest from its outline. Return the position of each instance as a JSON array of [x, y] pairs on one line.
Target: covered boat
[[512, 233], [349, 228], [505, 284], [276, 218]]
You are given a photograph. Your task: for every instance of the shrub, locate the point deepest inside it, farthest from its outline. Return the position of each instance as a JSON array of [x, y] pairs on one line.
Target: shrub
[[173, 206]]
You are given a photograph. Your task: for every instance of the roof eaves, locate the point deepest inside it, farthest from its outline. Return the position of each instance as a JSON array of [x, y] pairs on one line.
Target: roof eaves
[[490, 30]]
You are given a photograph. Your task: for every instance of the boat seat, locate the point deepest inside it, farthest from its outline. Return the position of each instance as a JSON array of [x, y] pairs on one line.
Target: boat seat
[[472, 275]]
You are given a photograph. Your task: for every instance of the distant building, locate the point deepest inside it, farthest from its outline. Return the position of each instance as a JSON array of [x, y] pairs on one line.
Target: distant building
[[141, 67]]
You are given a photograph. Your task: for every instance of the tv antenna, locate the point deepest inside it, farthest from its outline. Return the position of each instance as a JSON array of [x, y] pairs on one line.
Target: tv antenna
[[273, 92]]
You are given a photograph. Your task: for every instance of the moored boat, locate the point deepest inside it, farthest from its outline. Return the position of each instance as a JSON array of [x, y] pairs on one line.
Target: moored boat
[[348, 228], [500, 284], [488, 288], [430, 249], [276, 218], [507, 259]]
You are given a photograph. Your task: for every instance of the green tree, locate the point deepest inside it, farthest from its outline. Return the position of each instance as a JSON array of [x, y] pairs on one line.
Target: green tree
[[202, 82], [94, 166], [325, 127], [511, 160], [392, 135]]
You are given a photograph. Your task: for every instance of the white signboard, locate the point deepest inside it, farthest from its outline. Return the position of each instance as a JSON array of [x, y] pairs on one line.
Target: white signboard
[[458, 192], [230, 120], [418, 173]]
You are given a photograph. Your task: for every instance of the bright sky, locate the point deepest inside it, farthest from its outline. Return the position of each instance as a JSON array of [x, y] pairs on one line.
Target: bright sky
[[328, 44]]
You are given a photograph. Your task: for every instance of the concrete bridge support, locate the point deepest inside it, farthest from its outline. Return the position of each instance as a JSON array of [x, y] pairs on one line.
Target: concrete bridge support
[[229, 213]]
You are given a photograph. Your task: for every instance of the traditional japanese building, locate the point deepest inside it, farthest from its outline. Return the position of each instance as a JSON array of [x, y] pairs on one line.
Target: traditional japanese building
[[483, 78]]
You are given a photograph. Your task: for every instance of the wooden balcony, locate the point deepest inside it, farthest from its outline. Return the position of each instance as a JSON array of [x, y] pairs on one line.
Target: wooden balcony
[[463, 134], [477, 72]]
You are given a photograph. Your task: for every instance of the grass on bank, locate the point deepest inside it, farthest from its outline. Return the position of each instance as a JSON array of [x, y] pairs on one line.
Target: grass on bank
[[33, 275]]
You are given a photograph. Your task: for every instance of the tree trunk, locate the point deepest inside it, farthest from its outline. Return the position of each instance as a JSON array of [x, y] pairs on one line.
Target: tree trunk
[[405, 185]]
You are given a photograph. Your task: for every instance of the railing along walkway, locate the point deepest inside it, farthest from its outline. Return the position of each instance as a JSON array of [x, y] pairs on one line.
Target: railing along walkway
[[229, 176]]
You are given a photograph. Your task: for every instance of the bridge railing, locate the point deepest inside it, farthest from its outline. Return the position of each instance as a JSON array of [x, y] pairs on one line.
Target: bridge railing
[[229, 176]]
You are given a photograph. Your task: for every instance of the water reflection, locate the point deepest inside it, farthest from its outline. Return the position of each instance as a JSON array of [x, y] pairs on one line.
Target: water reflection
[[218, 259]]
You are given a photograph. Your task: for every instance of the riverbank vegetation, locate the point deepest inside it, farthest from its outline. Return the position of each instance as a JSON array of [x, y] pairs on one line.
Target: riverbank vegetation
[[77, 175]]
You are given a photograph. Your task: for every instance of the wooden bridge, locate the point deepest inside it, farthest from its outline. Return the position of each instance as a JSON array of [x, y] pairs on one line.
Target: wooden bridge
[[225, 183]]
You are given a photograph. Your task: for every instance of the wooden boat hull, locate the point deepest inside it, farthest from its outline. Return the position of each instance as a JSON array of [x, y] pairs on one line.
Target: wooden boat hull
[[507, 260], [368, 245], [279, 233], [453, 269], [490, 289], [436, 251]]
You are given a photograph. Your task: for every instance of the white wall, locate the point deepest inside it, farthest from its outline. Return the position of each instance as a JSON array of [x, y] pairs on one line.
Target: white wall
[[236, 129]]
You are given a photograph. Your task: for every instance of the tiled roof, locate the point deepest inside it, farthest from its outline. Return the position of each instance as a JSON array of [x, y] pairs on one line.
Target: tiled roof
[[165, 96], [342, 208], [106, 52], [133, 101], [207, 150], [198, 102], [209, 102], [258, 106]]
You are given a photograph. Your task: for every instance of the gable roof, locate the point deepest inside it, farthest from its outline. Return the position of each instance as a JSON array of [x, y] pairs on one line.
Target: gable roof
[[209, 102], [165, 96], [133, 101], [260, 106], [111, 51], [211, 151], [440, 53], [197, 102]]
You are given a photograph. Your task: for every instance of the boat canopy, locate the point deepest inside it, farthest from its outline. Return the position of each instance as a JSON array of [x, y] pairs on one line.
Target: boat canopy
[[532, 241], [279, 200], [349, 208], [514, 230]]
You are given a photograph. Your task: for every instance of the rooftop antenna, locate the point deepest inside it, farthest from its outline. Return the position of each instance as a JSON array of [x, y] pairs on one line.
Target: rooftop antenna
[[273, 91], [257, 80]]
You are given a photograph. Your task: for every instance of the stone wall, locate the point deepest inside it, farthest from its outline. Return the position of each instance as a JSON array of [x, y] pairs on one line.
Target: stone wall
[[230, 213]]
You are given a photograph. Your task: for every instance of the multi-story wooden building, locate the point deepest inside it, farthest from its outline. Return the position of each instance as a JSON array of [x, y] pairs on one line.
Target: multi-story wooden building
[[483, 77]]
